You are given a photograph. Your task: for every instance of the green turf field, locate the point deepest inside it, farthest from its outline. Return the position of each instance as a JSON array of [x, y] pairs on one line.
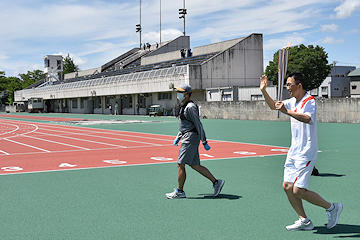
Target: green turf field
[[129, 202]]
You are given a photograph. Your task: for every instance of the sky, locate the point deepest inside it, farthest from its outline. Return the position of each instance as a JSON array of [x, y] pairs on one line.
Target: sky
[[94, 32]]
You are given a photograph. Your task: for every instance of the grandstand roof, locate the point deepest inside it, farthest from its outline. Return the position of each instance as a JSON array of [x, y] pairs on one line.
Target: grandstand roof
[[136, 66]]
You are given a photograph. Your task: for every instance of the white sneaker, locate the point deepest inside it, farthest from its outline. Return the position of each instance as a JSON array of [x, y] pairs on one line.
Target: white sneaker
[[175, 194], [299, 225], [218, 186], [333, 215]]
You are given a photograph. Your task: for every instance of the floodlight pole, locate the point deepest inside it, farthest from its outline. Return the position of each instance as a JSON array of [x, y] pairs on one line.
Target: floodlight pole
[[140, 24], [184, 18], [160, 22]]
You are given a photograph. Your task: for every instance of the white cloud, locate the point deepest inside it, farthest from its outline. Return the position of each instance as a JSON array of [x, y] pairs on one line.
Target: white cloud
[[166, 35], [276, 44], [352, 31], [77, 60], [331, 40], [347, 8], [329, 28], [97, 31], [3, 57]]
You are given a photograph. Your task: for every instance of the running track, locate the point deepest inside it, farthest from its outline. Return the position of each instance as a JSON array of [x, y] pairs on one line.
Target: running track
[[36, 147]]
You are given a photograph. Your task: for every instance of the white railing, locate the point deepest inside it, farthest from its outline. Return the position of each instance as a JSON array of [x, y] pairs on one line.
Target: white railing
[[137, 77]]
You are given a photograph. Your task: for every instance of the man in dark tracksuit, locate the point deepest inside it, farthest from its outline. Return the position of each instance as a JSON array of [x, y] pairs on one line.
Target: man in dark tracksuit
[[190, 133]]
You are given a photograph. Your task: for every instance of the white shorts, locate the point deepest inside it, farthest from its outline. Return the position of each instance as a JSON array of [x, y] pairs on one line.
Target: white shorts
[[298, 172]]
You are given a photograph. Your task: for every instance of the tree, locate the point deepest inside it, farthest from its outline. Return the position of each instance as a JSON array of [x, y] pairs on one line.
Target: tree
[[311, 61], [31, 77], [7, 87], [13, 85], [3, 81], [69, 65]]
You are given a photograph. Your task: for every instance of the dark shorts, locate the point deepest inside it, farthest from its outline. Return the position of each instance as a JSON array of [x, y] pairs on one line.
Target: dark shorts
[[189, 154]]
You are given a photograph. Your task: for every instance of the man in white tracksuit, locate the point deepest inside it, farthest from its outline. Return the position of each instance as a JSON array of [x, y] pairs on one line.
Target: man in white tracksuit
[[190, 133], [302, 154]]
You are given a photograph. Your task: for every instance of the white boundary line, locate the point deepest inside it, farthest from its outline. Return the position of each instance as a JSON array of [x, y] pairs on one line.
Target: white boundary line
[[116, 133], [5, 152], [17, 127], [129, 165], [110, 138], [46, 140], [84, 140], [27, 145], [96, 130]]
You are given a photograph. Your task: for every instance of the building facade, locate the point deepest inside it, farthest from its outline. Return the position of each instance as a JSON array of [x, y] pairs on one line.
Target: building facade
[[355, 83], [337, 84], [144, 77]]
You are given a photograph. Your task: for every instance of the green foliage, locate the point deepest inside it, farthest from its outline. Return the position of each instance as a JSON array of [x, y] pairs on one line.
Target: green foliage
[[69, 65], [311, 61], [3, 81], [30, 78], [13, 85]]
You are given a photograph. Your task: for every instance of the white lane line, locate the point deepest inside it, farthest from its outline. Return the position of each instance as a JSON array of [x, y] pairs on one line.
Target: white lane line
[[79, 150], [26, 145], [102, 131], [110, 138], [84, 140], [17, 127], [57, 142], [5, 152], [112, 132]]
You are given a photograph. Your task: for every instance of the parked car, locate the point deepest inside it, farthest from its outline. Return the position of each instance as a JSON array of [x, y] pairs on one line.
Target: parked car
[[155, 110]]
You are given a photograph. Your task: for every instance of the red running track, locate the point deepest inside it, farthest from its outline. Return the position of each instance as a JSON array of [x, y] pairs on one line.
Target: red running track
[[37, 147]]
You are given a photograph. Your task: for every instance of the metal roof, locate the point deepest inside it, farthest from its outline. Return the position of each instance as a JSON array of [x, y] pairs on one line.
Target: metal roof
[[355, 73]]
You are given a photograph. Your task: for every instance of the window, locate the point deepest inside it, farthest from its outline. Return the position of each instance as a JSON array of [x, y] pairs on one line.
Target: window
[[128, 101], [336, 89], [165, 96], [141, 100], [257, 97], [59, 64], [47, 63], [324, 90], [74, 103], [97, 102], [226, 97], [353, 87]]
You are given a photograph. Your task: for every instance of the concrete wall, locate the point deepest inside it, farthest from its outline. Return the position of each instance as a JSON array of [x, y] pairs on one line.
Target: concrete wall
[[215, 47], [169, 51], [82, 73], [161, 57], [344, 110], [240, 65]]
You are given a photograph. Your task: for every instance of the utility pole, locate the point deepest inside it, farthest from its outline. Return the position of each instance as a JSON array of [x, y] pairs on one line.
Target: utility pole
[[182, 12], [334, 63]]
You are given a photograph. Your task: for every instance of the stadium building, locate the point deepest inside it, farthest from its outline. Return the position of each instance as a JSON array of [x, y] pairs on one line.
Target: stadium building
[[146, 76]]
